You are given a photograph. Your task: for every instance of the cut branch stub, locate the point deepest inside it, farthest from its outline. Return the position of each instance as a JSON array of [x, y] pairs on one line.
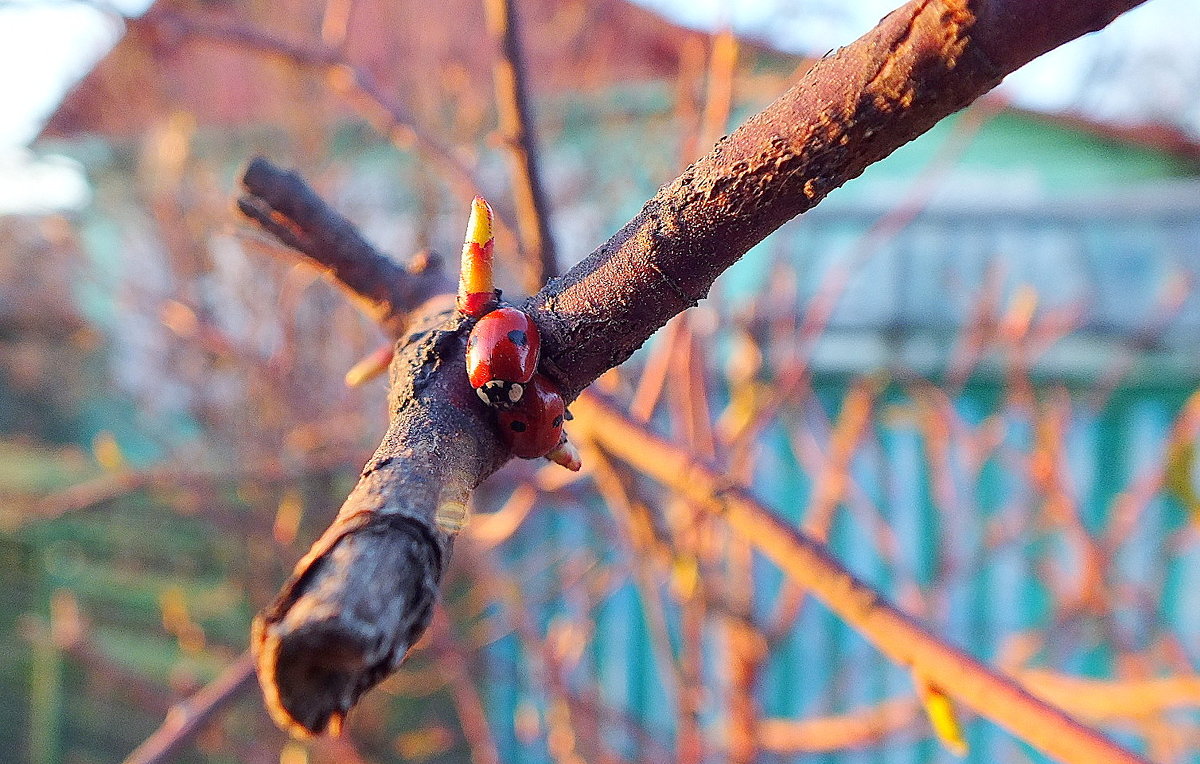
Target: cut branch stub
[[364, 594]]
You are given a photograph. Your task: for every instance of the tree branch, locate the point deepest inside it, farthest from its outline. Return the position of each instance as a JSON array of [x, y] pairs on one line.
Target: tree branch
[[190, 717], [802, 559], [924, 61], [287, 208], [364, 593], [353, 83]]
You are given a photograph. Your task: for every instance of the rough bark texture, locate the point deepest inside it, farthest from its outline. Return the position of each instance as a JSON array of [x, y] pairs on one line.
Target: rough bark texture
[[364, 593], [924, 61]]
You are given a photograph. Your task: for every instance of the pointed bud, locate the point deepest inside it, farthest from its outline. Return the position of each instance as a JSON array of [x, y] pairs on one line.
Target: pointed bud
[[336, 724], [567, 455], [476, 282], [940, 710]]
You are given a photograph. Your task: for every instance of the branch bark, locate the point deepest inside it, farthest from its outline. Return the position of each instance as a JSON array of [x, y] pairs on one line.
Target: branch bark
[[924, 61], [284, 206], [364, 593]]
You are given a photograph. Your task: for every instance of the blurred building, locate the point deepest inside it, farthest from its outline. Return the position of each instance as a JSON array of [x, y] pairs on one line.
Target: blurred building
[[997, 213]]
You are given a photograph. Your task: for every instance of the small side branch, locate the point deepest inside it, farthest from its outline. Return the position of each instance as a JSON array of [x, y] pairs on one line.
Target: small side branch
[[284, 205]]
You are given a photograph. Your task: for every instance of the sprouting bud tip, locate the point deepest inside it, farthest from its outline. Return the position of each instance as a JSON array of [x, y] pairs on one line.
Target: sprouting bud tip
[[476, 282], [479, 226], [336, 724], [566, 455]]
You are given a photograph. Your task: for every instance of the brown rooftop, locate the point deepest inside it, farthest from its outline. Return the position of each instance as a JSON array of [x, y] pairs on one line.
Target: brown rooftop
[[236, 63]]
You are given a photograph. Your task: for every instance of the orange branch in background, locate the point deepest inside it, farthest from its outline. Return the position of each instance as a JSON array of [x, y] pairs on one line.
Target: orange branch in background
[[389, 118], [718, 103], [827, 734], [903, 641], [190, 717], [510, 74], [1108, 700], [472, 713]]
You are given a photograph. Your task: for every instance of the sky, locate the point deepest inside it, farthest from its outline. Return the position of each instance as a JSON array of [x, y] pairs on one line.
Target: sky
[[45, 46], [1147, 64]]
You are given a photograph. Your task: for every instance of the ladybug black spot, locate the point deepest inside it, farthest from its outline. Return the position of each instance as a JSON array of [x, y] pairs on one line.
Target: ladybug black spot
[[517, 425], [558, 420], [518, 337]]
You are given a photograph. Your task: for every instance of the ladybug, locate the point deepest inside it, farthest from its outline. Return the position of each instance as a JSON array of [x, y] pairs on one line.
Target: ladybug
[[534, 427], [502, 356]]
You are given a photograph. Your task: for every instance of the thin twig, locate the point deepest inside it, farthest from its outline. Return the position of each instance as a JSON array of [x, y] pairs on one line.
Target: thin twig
[[189, 718], [898, 637], [351, 82], [854, 729], [456, 666], [519, 131]]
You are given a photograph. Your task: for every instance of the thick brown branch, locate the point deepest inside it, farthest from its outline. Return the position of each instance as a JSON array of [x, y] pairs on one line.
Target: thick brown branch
[[924, 61], [365, 592]]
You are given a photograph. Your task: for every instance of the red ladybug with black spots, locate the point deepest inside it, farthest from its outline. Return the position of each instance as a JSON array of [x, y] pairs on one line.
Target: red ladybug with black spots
[[502, 356], [503, 350], [534, 426]]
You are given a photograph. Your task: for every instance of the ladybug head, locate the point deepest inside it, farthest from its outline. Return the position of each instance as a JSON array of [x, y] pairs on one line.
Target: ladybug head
[[501, 393], [534, 426]]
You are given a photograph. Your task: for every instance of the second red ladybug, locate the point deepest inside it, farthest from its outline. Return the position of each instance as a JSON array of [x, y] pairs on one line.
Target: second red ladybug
[[534, 427], [502, 356]]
